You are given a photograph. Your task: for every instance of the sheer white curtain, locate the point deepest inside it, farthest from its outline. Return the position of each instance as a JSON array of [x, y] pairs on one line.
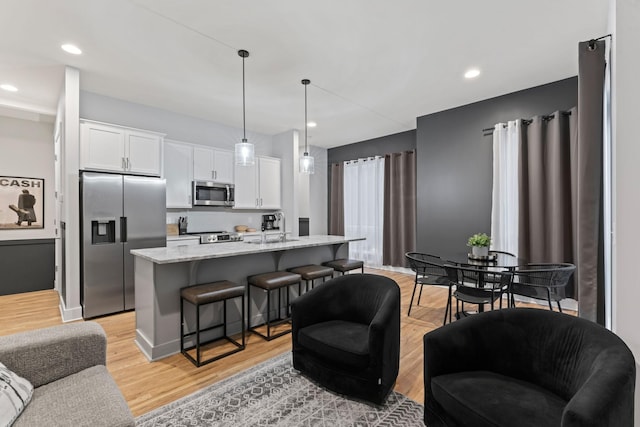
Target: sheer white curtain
[[504, 201], [364, 208]]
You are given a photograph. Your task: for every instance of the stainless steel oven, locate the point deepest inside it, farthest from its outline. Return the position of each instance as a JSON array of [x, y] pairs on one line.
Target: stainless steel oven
[[207, 193]]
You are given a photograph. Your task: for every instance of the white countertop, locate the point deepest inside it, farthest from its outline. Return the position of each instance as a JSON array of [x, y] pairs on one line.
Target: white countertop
[[252, 234], [221, 250]]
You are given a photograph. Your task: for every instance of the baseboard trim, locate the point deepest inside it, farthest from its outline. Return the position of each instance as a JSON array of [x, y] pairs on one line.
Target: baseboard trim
[[69, 314]]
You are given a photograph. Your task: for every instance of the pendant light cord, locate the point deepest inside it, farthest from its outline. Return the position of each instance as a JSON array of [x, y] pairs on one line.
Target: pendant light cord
[[305, 82], [244, 113], [243, 54], [306, 124]]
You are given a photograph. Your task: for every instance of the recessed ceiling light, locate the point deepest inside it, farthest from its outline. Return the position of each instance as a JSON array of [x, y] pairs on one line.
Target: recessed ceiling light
[[72, 49], [8, 87], [472, 73], [312, 124]]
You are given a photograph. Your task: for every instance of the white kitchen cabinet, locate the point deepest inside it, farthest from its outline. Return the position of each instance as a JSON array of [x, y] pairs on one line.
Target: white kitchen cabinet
[[258, 186], [178, 172], [212, 164], [269, 183], [113, 148]]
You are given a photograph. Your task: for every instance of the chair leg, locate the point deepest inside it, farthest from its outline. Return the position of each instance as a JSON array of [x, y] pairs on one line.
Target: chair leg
[[559, 308], [181, 325], [242, 322], [549, 299], [198, 334], [420, 294], [450, 307], [447, 309], [412, 295]]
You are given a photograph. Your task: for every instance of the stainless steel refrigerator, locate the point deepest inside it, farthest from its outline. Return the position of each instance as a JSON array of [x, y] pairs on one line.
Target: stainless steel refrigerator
[[118, 213]]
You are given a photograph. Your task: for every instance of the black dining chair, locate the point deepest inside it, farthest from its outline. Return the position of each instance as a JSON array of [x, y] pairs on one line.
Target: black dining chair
[[542, 281], [469, 292], [429, 271]]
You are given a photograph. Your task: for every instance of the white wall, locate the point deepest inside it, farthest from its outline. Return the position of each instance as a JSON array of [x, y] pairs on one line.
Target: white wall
[[28, 151], [318, 192], [68, 119], [285, 147], [624, 19], [176, 126], [304, 207]]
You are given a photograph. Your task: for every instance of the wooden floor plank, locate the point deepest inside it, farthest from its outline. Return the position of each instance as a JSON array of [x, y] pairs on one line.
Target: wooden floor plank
[[147, 386]]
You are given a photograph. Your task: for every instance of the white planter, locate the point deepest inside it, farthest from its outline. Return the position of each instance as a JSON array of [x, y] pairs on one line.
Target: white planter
[[480, 251]]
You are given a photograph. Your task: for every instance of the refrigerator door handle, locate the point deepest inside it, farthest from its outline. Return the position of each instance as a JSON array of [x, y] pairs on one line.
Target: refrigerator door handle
[[123, 229]]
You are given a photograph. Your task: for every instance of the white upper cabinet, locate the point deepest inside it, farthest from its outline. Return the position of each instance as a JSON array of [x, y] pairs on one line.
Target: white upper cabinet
[[178, 172], [269, 183], [246, 188], [143, 152], [114, 148], [211, 164], [223, 166], [258, 186]]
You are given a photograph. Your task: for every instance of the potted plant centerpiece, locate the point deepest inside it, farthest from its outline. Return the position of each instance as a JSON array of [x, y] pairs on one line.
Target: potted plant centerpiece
[[479, 243]]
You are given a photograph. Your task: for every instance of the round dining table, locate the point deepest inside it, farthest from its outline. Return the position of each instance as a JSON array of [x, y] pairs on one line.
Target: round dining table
[[502, 261]]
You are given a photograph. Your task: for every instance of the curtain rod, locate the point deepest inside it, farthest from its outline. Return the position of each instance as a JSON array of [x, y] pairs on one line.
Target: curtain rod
[[528, 121], [373, 157], [592, 42]]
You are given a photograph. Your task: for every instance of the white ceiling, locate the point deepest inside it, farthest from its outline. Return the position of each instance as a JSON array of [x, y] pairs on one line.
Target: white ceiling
[[374, 65]]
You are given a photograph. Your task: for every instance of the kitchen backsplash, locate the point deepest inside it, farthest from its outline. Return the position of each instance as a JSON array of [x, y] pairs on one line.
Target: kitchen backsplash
[[208, 220]]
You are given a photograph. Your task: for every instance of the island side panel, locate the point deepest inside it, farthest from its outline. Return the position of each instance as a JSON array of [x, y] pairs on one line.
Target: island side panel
[[158, 320], [144, 296]]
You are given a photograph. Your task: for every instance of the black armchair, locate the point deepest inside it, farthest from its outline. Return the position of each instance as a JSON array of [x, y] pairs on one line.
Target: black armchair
[[527, 367], [346, 335]]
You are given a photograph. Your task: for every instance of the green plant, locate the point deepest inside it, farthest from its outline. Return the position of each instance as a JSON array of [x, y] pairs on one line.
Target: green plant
[[479, 239]]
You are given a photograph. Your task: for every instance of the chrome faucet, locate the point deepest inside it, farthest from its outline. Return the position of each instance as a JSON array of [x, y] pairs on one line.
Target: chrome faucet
[[283, 229]]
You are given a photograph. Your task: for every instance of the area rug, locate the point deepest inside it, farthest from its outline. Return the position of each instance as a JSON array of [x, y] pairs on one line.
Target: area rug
[[275, 394]]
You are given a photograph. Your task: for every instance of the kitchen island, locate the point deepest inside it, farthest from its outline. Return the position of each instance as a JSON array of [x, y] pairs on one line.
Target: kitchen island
[[160, 273]]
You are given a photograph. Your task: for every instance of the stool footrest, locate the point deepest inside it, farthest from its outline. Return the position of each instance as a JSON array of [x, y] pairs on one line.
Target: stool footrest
[[239, 346]]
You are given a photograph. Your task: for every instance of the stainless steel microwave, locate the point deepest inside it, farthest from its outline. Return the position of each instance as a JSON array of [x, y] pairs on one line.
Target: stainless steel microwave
[[207, 193]]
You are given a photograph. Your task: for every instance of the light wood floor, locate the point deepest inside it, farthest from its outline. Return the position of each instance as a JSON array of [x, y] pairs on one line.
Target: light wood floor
[[147, 386]]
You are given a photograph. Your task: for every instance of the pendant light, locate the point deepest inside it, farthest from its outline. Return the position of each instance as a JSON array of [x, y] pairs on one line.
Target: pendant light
[[244, 151], [306, 161]]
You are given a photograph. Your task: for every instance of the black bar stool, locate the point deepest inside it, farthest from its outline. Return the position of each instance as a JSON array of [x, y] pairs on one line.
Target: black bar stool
[[343, 265], [311, 272], [276, 280], [204, 294]]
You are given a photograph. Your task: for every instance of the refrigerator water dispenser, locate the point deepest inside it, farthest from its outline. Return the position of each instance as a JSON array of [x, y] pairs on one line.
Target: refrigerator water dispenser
[[103, 231]]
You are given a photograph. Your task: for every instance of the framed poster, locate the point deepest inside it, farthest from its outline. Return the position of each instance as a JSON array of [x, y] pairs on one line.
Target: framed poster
[[21, 203]]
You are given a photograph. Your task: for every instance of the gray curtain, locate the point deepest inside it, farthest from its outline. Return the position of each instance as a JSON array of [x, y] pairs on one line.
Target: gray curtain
[[399, 231], [546, 203], [589, 266], [336, 199], [561, 186]]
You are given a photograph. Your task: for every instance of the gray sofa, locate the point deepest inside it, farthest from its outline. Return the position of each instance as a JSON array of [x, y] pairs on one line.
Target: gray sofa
[[66, 365]]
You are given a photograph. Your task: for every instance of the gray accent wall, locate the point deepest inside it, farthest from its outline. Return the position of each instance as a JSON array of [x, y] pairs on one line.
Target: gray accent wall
[[394, 143], [455, 163], [27, 265]]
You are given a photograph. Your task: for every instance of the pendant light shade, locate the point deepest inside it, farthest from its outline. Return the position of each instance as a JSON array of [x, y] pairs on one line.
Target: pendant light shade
[[244, 151], [306, 161]]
